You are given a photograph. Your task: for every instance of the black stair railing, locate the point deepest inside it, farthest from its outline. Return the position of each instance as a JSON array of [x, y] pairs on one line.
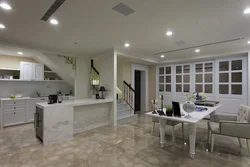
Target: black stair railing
[[129, 94], [95, 87]]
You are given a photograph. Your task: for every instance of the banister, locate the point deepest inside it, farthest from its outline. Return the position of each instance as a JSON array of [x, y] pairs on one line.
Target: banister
[[129, 86]]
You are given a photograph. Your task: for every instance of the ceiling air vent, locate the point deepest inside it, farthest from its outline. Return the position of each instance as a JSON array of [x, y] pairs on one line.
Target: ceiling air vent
[[54, 7], [180, 42], [123, 9]]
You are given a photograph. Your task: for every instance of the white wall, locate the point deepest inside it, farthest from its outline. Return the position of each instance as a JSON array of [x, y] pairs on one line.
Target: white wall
[[108, 79], [29, 89], [82, 79]]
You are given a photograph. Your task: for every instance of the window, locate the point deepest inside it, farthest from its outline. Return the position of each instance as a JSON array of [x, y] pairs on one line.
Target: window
[[182, 78], [204, 77], [165, 79], [230, 77]]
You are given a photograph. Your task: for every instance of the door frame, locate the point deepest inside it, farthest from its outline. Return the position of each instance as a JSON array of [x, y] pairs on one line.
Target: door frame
[[142, 68]]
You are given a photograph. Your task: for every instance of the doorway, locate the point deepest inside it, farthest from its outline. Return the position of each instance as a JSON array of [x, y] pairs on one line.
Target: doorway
[[139, 82], [137, 90]]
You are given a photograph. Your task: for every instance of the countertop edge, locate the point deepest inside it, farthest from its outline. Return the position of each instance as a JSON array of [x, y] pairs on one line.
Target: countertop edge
[[74, 103]]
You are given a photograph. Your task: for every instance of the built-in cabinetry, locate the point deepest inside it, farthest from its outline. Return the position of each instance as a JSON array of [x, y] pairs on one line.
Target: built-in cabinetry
[[31, 108], [20, 111], [13, 112], [223, 80], [31, 71]]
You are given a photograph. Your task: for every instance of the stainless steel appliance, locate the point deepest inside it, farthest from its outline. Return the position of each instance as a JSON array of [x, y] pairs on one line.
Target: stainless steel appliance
[[38, 123]]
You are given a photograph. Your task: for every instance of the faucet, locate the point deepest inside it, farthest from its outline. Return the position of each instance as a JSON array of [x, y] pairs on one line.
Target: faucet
[[38, 94]]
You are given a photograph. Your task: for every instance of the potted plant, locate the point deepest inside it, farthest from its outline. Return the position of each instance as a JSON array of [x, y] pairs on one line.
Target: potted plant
[[169, 110], [16, 75]]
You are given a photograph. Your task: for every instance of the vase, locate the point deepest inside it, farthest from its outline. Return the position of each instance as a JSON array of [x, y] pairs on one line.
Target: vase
[[189, 107]]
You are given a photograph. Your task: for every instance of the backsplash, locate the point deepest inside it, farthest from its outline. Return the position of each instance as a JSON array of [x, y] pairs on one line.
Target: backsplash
[[29, 89]]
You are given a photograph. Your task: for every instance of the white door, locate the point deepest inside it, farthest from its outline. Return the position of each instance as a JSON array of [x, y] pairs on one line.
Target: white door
[[38, 71], [26, 71], [231, 84]]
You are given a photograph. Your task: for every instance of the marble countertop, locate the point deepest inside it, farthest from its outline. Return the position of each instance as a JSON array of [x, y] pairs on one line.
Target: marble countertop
[[78, 102], [17, 98], [27, 98]]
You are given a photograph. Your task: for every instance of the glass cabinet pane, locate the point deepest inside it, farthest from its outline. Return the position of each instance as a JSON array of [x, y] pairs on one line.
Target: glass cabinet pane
[[186, 69], [186, 88], [208, 78], [178, 78], [168, 79], [237, 65], [208, 88], [237, 77], [161, 88], [199, 68], [209, 67], [224, 66], [236, 90], [161, 79], [161, 70], [168, 88], [224, 77], [198, 78], [168, 70], [223, 89], [178, 88], [178, 69], [186, 78], [198, 88]]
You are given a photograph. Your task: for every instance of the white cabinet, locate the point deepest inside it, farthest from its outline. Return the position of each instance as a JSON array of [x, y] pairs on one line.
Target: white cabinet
[[31, 108], [31, 71], [26, 71], [13, 112]]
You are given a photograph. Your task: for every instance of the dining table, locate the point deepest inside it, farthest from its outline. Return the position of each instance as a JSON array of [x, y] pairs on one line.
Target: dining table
[[191, 119]]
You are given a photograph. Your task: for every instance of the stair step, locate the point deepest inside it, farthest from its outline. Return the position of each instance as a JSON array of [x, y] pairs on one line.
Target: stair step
[[125, 114]]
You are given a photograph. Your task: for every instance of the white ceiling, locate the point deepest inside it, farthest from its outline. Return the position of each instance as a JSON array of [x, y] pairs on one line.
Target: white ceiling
[[96, 27]]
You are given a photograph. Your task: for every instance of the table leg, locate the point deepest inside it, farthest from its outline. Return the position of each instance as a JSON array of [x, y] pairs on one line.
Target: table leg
[[192, 137], [162, 131]]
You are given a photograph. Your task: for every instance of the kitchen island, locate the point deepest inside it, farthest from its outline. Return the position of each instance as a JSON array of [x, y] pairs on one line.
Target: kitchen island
[[60, 121]]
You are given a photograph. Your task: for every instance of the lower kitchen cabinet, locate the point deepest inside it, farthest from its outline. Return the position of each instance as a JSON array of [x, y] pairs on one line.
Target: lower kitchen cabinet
[[31, 108], [14, 117]]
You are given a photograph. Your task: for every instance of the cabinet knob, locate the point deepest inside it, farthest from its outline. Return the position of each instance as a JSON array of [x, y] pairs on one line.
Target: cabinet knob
[[14, 102], [14, 107], [14, 113]]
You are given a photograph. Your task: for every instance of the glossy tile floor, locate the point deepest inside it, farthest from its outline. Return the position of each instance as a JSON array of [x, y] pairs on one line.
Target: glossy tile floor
[[130, 144]]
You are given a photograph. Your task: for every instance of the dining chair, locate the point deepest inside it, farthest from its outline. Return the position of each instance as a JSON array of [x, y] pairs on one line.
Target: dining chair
[[169, 123], [231, 125]]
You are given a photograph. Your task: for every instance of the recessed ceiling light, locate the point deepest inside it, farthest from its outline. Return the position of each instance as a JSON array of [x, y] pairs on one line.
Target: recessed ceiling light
[[169, 33], [197, 50], [248, 42], [5, 6], [2, 26], [20, 53], [54, 21], [126, 45], [247, 11], [162, 56]]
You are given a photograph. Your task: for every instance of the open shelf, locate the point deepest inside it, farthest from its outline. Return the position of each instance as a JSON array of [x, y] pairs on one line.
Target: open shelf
[[10, 69], [23, 80]]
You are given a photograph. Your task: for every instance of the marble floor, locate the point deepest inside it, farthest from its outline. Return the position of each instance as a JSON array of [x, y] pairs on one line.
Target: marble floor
[[130, 144]]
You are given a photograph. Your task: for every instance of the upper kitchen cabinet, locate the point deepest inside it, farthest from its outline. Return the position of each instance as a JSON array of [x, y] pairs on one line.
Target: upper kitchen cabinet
[[31, 71]]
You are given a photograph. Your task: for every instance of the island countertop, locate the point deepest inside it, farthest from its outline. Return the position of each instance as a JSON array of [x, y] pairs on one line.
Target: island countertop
[[78, 102]]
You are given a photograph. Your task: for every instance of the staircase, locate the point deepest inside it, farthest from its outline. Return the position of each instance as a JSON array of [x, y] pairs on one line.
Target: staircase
[[64, 66], [123, 110]]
